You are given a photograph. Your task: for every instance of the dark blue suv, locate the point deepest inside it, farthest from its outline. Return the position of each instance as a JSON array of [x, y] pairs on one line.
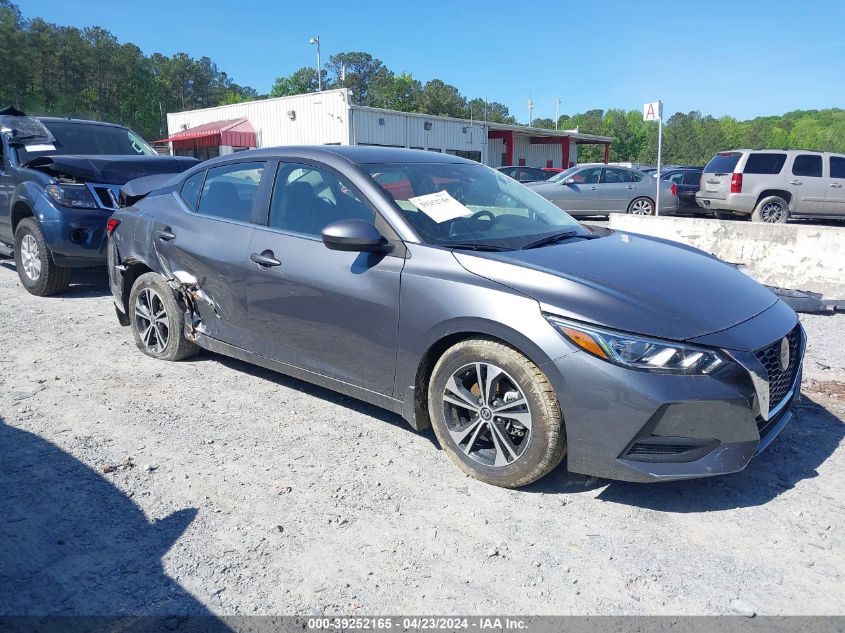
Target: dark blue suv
[[59, 183]]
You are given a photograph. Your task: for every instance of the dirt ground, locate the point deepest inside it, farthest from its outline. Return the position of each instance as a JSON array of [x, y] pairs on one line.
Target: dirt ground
[[130, 485]]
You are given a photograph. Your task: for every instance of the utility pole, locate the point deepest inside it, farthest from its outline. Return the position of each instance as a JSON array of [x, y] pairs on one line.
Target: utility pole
[[530, 110], [557, 111], [316, 40]]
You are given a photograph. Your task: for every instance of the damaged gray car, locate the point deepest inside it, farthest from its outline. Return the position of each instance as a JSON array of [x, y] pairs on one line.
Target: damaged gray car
[[452, 295], [59, 183]]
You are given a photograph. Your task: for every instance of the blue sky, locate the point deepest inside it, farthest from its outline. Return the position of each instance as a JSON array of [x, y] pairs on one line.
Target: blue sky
[[741, 58]]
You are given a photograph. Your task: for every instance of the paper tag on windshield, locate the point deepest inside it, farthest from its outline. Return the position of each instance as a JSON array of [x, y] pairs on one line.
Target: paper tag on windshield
[[46, 147], [440, 206]]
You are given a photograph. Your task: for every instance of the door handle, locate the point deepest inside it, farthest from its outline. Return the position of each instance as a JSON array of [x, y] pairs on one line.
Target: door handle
[[265, 258], [165, 235], [794, 182], [836, 185], [593, 188], [630, 187]]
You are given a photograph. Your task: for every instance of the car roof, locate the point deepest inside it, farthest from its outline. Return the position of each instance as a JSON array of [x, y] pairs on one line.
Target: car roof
[[355, 154]]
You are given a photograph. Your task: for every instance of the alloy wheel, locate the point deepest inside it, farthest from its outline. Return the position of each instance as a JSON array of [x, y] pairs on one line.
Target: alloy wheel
[[151, 321], [30, 257], [772, 212], [487, 414], [642, 207]]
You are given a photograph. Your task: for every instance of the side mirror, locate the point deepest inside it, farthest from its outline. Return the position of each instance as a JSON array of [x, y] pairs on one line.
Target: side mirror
[[569, 181], [355, 236]]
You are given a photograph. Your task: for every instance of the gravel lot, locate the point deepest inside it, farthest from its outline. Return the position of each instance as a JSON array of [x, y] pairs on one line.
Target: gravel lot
[[130, 485]]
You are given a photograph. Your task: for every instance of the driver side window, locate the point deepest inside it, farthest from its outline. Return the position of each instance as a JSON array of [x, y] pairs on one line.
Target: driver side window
[[307, 199]]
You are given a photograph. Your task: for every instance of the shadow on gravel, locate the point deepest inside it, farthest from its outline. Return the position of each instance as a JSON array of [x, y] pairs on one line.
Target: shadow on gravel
[[84, 282], [72, 544], [359, 406], [807, 441]]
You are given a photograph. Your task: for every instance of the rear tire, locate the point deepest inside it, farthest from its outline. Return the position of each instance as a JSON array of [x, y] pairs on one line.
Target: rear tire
[[157, 320], [34, 262], [771, 210], [641, 206], [495, 414]]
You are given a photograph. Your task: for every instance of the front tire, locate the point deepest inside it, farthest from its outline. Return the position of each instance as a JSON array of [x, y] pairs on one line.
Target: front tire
[[495, 414], [771, 210], [157, 320], [34, 262], [641, 206]]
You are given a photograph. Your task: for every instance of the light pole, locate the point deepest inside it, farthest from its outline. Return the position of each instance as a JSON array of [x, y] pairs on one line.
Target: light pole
[[557, 111], [316, 40]]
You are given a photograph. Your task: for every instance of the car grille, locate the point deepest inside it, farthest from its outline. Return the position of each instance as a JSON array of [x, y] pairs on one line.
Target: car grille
[[105, 195], [781, 380]]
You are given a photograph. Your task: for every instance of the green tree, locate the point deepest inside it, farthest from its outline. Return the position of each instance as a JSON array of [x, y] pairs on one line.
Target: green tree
[[299, 82], [442, 99], [359, 72]]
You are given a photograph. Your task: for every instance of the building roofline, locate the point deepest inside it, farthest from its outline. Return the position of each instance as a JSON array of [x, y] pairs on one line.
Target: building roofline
[[533, 131], [343, 91]]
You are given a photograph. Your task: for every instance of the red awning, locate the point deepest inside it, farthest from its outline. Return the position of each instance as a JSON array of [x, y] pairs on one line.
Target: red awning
[[234, 132]]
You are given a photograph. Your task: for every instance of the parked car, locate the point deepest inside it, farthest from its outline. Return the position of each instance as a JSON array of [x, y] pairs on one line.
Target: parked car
[[526, 174], [774, 185], [58, 185], [474, 306], [686, 180], [601, 189], [554, 170]]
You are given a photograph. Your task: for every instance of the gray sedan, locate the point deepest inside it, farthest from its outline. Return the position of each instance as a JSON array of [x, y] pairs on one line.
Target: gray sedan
[[452, 295], [602, 189]]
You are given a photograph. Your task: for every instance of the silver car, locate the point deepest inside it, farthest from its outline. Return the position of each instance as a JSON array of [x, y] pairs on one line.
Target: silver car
[[774, 185], [602, 189]]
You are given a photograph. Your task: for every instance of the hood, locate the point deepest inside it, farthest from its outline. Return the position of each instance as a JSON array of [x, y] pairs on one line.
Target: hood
[[629, 282], [112, 170]]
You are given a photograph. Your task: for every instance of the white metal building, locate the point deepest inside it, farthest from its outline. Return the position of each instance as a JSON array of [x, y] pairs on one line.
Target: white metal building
[[328, 118]]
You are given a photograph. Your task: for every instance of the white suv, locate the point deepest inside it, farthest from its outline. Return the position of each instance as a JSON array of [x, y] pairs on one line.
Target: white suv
[[772, 185]]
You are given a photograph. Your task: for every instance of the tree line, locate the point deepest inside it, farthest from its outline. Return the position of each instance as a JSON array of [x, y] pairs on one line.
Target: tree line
[[65, 71]]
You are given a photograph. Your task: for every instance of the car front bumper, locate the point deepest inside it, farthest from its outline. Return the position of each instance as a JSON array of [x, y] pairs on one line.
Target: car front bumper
[[76, 237], [645, 427]]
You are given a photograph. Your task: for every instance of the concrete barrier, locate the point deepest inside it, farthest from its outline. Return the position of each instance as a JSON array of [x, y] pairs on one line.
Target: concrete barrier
[[805, 258]]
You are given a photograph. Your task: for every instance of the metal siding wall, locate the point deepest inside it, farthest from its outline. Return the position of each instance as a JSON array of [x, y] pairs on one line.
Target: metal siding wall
[[536, 155], [495, 149], [369, 132], [409, 131], [320, 118]]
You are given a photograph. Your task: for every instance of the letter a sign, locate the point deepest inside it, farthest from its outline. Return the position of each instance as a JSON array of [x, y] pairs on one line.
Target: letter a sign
[[653, 111]]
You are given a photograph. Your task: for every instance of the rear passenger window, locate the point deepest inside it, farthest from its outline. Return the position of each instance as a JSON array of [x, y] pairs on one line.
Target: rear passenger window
[[764, 163], [229, 191], [837, 167], [191, 189], [677, 177], [807, 165], [616, 176]]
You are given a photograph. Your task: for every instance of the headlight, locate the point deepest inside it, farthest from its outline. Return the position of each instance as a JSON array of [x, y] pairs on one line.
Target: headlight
[[639, 352], [76, 196]]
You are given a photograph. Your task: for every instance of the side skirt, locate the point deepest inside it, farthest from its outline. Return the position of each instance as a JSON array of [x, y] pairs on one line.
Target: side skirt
[[347, 389]]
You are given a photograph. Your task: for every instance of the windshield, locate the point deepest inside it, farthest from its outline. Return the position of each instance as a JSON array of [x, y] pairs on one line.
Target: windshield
[[87, 139], [462, 205], [566, 173], [723, 163]]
